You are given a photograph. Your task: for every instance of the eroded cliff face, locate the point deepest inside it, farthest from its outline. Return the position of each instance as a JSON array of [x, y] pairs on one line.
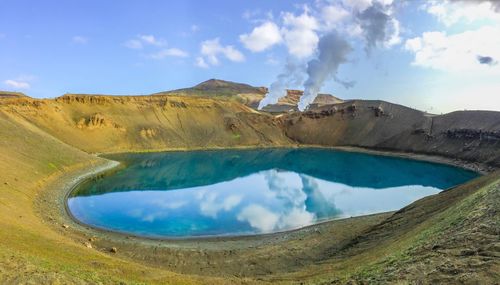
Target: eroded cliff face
[[134, 123], [100, 124], [467, 135]]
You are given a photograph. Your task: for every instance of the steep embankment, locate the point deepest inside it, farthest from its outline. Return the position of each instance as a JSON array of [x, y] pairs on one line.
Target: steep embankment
[[468, 135], [32, 252], [113, 124]]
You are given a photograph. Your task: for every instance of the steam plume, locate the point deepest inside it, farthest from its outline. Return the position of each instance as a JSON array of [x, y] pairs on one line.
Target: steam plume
[[333, 51], [374, 22], [292, 75]]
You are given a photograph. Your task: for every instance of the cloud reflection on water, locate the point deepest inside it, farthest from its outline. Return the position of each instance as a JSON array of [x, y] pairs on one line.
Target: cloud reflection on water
[[192, 197]]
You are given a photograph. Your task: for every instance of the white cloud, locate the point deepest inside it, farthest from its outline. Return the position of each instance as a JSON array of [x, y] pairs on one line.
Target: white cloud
[[358, 5], [299, 33], [16, 84], [333, 15], [393, 31], [170, 205], [452, 12], [457, 52], [157, 44], [21, 82], [200, 62], [133, 44], [143, 40], [152, 40], [80, 40], [295, 218], [212, 49], [210, 206], [259, 217], [195, 28], [169, 52], [262, 37]]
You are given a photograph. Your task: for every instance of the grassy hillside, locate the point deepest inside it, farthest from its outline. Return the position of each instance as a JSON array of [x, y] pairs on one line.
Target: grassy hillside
[[31, 252]]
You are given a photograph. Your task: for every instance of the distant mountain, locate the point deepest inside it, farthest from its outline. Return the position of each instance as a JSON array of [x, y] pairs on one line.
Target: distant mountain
[[250, 95], [217, 87], [10, 94]]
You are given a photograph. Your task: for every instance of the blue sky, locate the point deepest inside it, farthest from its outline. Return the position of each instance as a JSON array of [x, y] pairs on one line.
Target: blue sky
[[427, 57]]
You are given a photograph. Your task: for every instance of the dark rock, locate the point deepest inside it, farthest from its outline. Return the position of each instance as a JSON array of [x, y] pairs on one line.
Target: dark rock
[[467, 252], [436, 247]]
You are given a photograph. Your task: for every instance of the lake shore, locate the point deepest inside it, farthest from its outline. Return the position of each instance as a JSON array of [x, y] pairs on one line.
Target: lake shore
[[278, 251]]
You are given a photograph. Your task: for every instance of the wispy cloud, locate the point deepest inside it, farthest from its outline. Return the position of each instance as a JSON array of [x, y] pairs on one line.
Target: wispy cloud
[[152, 40], [200, 62], [20, 82], [156, 48], [140, 41], [133, 44], [80, 40], [169, 52], [211, 50]]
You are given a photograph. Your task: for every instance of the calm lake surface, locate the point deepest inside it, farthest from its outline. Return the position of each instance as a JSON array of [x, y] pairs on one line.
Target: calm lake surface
[[240, 192]]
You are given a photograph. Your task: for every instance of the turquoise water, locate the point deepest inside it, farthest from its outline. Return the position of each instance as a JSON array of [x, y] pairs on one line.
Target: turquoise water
[[240, 192]]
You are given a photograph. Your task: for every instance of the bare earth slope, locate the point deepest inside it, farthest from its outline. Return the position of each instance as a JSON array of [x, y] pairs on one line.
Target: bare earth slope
[[451, 237], [32, 252], [469, 135], [113, 124]]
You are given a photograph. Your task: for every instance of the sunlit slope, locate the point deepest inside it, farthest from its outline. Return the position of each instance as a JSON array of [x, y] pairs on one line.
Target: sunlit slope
[[448, 238], [29, 249], [111, 124], [34, 252]]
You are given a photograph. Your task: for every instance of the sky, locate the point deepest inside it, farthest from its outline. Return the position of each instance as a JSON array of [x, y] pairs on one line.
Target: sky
[[436, 56]]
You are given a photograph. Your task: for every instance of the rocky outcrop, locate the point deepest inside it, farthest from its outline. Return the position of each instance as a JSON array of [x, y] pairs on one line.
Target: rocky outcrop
[[148, 133], [292, 98], [97, 120], [472, 136]]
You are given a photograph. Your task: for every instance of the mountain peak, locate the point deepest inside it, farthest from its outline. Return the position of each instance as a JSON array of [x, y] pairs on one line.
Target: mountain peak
[[219, 87]]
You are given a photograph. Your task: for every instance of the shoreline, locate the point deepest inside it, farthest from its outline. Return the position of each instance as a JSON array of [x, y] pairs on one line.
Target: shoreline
[[109, 164], [434, 158], [186, 254]]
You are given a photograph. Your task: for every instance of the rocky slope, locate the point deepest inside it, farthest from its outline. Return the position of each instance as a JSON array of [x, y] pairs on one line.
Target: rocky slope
[[128, 123], [468, 135]]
